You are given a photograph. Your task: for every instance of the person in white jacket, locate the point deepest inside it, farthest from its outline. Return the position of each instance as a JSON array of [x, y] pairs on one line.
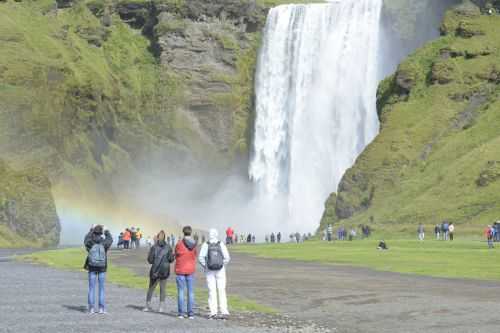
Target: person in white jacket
[[214, 257]]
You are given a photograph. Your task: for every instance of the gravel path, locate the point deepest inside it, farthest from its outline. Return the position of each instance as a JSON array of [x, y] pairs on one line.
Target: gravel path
[[40, 299], [351, 300]]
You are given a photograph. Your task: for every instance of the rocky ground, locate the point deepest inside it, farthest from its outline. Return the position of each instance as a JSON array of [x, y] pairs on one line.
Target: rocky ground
[[347, 299], [56, 302]]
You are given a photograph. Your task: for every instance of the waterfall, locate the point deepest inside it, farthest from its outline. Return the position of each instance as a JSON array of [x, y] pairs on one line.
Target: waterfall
[[315, 89]]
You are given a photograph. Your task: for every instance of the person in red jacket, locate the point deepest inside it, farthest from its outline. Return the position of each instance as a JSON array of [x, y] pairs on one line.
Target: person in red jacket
[[229, 236], [185, 266]]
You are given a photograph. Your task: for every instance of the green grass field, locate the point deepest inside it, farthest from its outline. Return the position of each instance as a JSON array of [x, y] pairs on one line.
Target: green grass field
[[470, 259], [73, 259]]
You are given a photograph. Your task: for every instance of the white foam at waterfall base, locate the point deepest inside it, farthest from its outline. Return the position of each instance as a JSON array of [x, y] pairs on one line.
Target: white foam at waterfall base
[[315, 103]]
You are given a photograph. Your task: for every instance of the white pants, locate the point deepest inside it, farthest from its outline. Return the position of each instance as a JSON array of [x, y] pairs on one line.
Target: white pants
[[216, 282], [421, 236]]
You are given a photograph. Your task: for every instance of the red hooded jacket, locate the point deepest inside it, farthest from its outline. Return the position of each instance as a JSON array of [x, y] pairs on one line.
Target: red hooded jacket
[[185, 258]]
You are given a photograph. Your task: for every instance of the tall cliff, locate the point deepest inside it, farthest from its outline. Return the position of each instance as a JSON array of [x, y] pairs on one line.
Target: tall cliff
[[437, 154]]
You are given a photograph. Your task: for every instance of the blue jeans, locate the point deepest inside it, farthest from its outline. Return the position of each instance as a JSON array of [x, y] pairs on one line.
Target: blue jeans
[[93, 277], [182, 282]]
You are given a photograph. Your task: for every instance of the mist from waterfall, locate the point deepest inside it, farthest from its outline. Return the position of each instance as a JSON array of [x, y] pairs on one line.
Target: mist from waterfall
[[315, 89]]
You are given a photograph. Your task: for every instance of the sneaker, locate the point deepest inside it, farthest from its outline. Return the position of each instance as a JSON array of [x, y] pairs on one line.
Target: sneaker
[[191, 317], [102, 311], [224, 317], [212, 317], [180, 316], [91, 311], [147, 309]]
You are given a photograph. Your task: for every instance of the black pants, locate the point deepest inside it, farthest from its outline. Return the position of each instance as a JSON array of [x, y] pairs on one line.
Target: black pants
[[152, 286], [451, 236]]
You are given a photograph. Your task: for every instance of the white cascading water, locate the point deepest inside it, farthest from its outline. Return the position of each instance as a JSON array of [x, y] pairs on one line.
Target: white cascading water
[[316, 88]]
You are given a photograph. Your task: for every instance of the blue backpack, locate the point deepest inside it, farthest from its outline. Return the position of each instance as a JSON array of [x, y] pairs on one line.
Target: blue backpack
[[97, 256]]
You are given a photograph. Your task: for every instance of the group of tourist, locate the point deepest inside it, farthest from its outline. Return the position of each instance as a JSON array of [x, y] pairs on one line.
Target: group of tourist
[[345, 234], [443, 231], [213, 258], [492, 233], [233, 238], [130, 238]]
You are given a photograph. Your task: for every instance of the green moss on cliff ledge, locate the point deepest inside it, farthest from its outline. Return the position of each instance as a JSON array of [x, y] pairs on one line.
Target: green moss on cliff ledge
[[438, 152]]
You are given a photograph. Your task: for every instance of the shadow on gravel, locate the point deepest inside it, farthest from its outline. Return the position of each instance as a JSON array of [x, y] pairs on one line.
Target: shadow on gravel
[[169, 314], [77, 308]]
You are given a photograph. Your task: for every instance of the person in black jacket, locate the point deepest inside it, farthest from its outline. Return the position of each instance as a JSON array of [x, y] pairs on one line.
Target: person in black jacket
[[160, 257], [97, 242]]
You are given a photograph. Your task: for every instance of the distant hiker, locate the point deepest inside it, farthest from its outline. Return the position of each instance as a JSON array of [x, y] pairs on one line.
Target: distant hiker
[[352, 234], [249, 238], [451, 230], [120, 241], [96, 264], [273, 237], [138, 237], [150, 242], [297, 237], [420, 231], [235, 238], [437, 231], [329, 233], [497, 229], [229, 236], [266, 238], [444, 230], [160, 257], [185, 266], [488, 233], [127, 236], [172, 240], [325, 235], [213, 258], [278, 237], [133, 237], [382, 245]]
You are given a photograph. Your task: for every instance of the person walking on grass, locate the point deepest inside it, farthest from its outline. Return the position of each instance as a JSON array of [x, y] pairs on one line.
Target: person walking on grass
[[160, 257], [488, 233], [445, 230], [420, 230], [329, 233], [214, 258], [97, 244], [451, 230], [437, 231], [185, 267]]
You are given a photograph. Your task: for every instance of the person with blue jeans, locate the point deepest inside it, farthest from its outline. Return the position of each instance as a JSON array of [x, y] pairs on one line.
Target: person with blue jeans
[[185, 267], [97, 242]]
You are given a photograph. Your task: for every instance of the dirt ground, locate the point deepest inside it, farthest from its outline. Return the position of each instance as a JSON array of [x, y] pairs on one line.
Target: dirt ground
[[348, 299]]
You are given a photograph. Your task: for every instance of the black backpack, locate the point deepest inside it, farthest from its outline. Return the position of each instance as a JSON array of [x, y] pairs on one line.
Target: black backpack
[[215, 257]]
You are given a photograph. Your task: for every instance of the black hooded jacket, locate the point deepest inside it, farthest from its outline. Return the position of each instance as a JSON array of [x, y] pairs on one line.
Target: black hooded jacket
[[160, 257], [95, 238]]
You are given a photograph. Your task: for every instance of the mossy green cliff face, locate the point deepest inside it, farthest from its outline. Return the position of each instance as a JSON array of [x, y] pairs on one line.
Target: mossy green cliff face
[[92, 91], [437, 154], [28, 215]]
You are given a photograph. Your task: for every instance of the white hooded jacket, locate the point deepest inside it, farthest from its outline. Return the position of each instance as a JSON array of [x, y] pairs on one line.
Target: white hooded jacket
[[213, 237]]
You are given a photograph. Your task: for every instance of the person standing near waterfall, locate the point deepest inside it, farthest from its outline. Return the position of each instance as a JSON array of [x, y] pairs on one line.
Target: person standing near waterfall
[[185, 267], [160, 257], [96, 264], [214, 258]]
